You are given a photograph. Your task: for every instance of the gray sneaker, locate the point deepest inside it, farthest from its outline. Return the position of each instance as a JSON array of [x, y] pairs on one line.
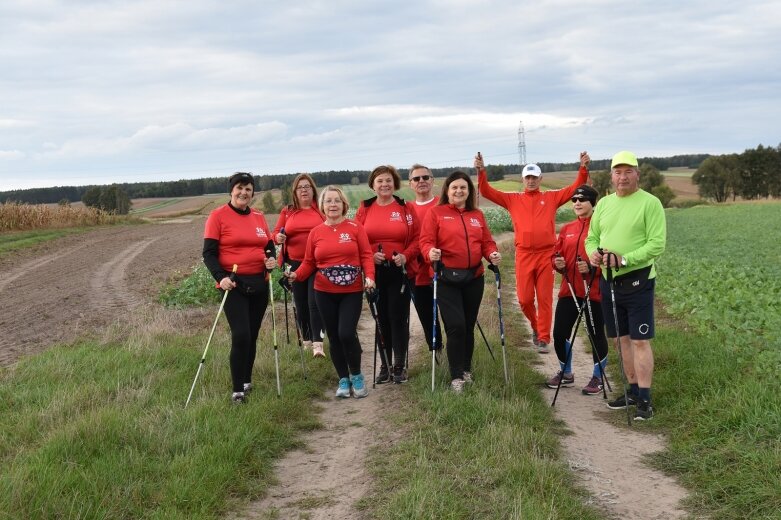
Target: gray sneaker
[[468, 377], [359, 387], [457, 385], [535, 338], [238, 398], [542, 347]]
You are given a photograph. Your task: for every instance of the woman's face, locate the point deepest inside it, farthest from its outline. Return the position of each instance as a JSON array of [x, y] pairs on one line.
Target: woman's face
[[582, 207], [241, 195], [333, 206], [304, 193], [383, 185], [458, 193]]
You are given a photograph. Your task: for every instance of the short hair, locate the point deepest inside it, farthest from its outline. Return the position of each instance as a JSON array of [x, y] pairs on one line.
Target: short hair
[[470, 199], [302, 177], [385, 168], [337, 189], [417, 166], [241, 178]]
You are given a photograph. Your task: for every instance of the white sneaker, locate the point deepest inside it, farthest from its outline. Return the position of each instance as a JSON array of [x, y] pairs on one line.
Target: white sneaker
[[238, 398], [457, 385], [247, 388], [307, 345], [468, 377], [343, 390], [317, 349]]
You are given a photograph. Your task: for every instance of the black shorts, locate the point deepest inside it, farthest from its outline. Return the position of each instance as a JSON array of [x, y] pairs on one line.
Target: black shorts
[[635, 311]]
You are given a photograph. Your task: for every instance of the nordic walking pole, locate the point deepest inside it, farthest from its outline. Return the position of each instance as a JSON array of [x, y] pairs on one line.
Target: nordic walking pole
[[287, 325], [498, 279], [370, 298], [271, 251], [610, 282], [592, 272], [488, 346], [285, 283], [434, 327], [406, 283], [203, 358]]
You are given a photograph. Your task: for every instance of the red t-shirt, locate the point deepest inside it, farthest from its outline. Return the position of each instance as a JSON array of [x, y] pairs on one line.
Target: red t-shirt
[[421, 210], [329, 246], [242, 239], [394, 226], [570, 244], [297, 223]]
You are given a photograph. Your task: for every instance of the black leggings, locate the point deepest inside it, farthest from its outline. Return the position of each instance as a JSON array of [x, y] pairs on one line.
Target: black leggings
[[566, 315], [393, 310], [424, 305], [459, 307], [309, 322], [244, 314], [340, 313]]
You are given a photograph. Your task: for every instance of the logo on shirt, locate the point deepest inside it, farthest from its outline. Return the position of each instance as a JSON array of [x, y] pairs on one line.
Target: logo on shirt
[[395, 216], [474, 222], [260, 232], [542, 203], [448, 218], [344, 238], [409, 219]]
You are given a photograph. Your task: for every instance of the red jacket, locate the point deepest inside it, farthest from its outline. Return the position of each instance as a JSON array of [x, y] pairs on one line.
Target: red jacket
[[463, 236], [297, 223], [533, 213], [570, 245], [421, 210], [394, 226], [242, 239], [329, 246]]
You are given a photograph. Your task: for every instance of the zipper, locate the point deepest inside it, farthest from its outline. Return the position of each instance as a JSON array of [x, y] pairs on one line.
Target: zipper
[[466, 235]]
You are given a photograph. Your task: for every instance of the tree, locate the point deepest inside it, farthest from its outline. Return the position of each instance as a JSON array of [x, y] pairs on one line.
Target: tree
[[664, 193], [650, 177], [287, 191], [602, 182], [91, 197], [495, 172], [268, 203], [717, 177]]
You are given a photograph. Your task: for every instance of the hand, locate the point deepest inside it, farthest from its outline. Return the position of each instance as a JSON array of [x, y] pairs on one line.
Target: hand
[[479, 165], [495, 258], [585, 160], [281, 237], [399, 259], [226, 284], [582, 267], [379, 258], [595, 258], [369, 284], [435, 255], [290, 275], [559, 263]]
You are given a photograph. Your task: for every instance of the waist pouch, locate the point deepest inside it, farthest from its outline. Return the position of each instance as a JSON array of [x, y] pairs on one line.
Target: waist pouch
[[341, 274], [251, 284], [457, 277], [632, 282]]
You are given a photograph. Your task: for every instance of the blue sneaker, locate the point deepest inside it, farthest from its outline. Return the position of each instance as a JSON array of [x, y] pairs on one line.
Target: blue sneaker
[[344, 388], [359, 389]]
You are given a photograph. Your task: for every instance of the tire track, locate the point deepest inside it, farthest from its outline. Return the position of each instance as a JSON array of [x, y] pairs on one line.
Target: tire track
[[108, 284]]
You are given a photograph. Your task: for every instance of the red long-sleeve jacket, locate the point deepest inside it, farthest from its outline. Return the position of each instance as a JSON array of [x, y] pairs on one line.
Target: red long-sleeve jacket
[[570, 244], [533, 213], [297, 223], [395, 226], [462, 236], [421, 210]]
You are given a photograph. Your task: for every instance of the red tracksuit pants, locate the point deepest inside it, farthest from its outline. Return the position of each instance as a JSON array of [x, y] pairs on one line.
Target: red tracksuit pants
[[534, 277]]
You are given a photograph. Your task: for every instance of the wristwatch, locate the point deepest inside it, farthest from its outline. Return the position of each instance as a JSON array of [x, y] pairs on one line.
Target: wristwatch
[[623, 261]]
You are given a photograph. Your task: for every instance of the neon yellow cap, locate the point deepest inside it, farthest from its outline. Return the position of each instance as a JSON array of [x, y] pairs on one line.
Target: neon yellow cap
[[624, 158]]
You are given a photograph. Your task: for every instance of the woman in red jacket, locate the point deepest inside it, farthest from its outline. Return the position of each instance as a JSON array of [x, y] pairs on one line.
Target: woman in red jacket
[[456, 237], [392, 227], [297, 220], [338, 252], [237, 234], [570, 257]]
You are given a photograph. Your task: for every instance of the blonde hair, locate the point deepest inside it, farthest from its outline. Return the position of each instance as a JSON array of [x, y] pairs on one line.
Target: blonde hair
[[337, 189]]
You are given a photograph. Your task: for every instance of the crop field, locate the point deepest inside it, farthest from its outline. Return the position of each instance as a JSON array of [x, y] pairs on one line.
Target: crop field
[[176, 206]]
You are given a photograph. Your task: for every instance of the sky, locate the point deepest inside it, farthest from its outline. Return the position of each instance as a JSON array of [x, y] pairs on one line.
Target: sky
[[102, 91]]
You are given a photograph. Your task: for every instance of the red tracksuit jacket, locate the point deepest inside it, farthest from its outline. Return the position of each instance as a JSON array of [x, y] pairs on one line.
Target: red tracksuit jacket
[[570, 244]]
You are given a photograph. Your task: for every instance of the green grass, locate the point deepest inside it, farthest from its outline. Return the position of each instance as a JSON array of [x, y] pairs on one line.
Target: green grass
[[153, 207], [13, 241]]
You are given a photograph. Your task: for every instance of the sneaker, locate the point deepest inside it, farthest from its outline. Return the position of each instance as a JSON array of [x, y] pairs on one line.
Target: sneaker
[[457, 385], [307, 345], [317, 350], [620, 403], [359, 389], [238, 398], [644, 410], [384, 375], [535, 338], [594, 386], [542, 347], [247, 388], [343, 390], [566, 380], [468, 377], [399, 375]]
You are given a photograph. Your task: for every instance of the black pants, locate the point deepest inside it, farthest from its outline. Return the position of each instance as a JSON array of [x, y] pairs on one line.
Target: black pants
[[309, 322], [244, 314], [340, 313], [459, 307], [424, 305], [566, 315], [393, 310]]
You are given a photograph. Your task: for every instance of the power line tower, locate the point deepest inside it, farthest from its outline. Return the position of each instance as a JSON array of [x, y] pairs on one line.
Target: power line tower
[[521, 144]]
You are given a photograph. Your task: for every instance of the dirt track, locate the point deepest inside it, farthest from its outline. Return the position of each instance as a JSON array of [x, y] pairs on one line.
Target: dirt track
[[69, 287]]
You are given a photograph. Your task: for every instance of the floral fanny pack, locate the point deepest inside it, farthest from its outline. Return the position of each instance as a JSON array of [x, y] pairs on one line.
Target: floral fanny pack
[[341, 274]]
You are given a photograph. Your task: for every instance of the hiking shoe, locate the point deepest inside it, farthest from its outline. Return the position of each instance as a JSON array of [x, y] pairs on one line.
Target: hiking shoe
[[594, 386], [535, 338], [384, 375], [247, 388], [457, 385], [566, 380], [644, 410], [343, 390], [317, 350], [620, 403], [359, 388], [238, 398], [542, 347], [399, 375], [468, 377]]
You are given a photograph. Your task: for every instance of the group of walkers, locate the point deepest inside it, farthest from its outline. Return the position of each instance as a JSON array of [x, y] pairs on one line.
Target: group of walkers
[[393, 249]]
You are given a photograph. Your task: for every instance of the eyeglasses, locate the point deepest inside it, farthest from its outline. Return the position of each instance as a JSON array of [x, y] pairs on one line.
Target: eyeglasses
[[578, 199], [421, 178], [305, 187]]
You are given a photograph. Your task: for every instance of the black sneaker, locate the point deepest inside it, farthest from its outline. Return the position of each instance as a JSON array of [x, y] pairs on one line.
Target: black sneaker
[[383, 377], [620, 403], [644, 410], [399, 375]]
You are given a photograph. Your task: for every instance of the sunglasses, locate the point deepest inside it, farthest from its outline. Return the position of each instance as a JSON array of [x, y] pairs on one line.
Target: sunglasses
[[579, 199], [421, 178]]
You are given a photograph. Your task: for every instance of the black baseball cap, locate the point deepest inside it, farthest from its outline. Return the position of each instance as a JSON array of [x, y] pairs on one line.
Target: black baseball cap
[[586, 192]]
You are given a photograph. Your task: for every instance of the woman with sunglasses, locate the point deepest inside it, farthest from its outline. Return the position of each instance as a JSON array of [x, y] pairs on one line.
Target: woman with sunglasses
[[292, 229], [236, 234], [571, 260]]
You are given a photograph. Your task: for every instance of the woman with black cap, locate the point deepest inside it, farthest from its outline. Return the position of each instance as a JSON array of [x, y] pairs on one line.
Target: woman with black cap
[[571, 260], [238, 235]]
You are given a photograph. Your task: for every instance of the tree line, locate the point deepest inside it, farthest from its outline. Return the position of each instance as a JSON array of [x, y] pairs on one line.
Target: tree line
[[751, 175]]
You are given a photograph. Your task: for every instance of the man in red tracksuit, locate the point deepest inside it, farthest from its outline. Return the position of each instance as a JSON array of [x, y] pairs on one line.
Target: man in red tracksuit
[[533, 213]]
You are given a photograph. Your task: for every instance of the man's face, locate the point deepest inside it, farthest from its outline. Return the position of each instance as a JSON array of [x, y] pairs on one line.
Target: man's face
[[532, 183], [626, 179], [421, 181]]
